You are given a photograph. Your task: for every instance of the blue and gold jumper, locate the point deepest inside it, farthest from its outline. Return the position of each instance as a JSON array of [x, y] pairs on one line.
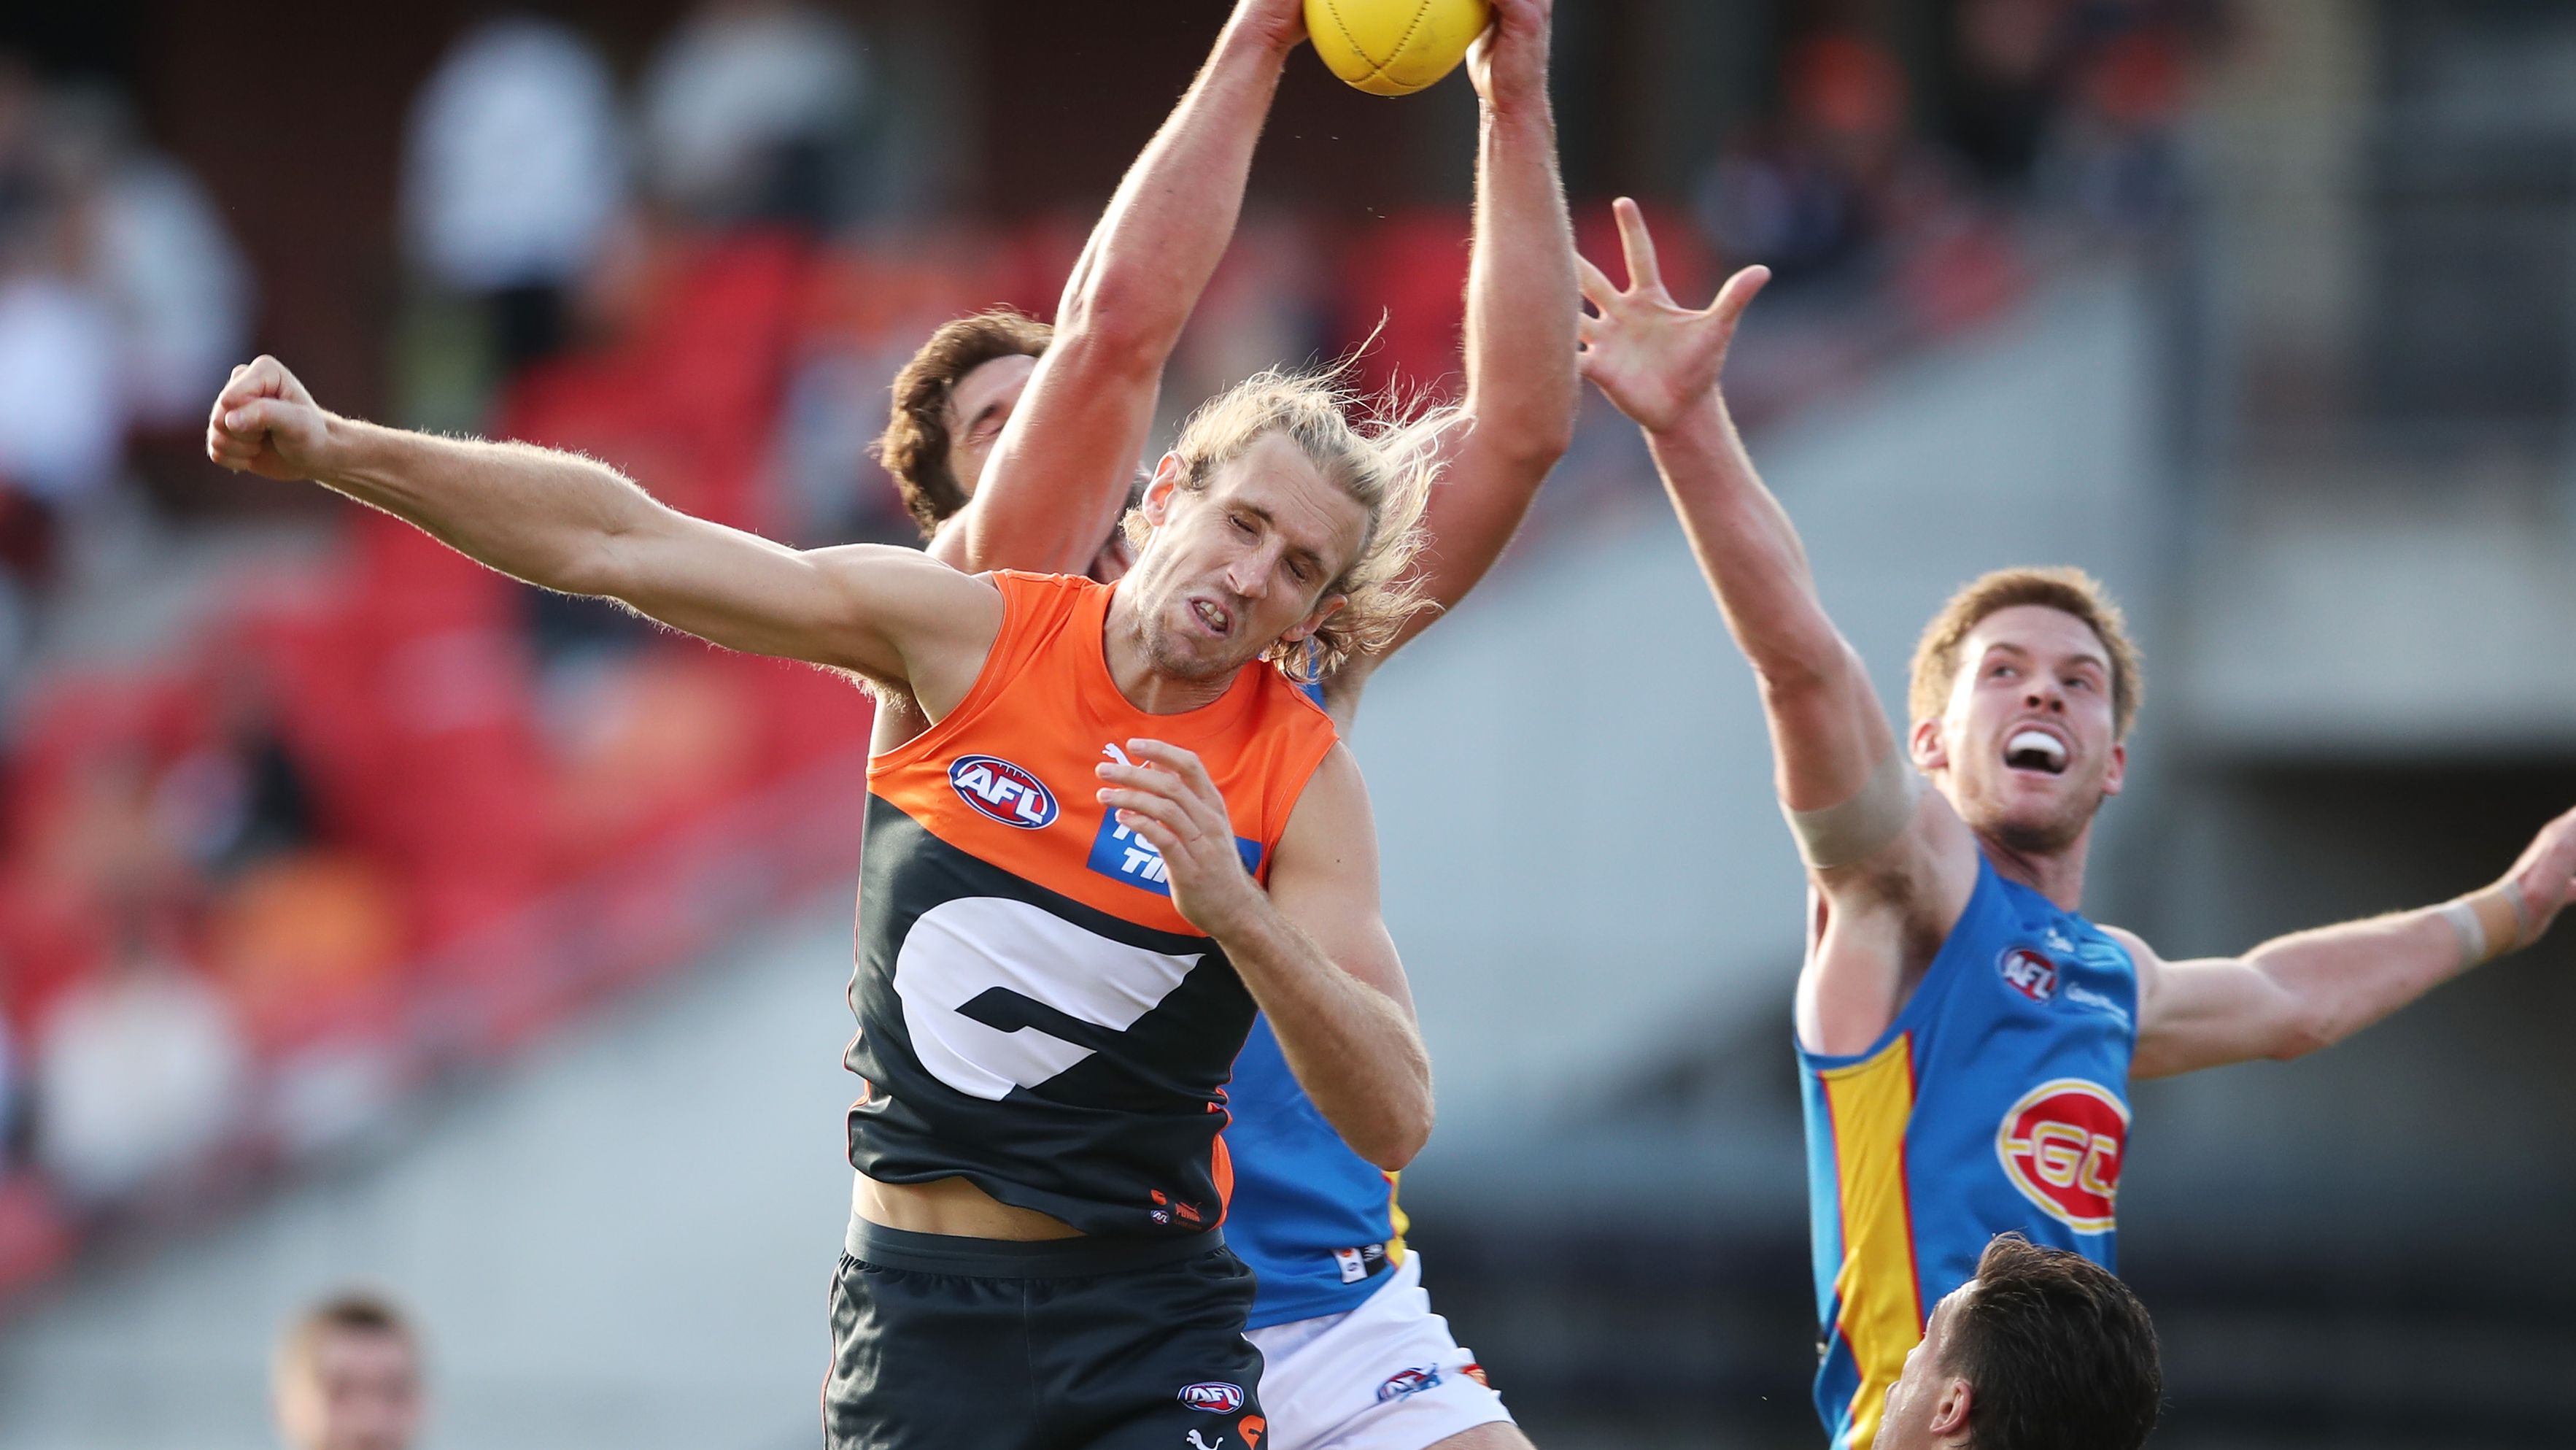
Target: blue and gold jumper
[[1997, 1100]]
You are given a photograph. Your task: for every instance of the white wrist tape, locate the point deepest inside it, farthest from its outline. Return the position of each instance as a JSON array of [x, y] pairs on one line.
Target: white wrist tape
[[2489, 923], [1855, 830], [2471, 931]]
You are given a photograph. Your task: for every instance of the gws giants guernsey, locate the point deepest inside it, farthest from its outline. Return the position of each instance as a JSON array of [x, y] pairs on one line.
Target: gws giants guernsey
[[1034, 1016], [1997, 1100]]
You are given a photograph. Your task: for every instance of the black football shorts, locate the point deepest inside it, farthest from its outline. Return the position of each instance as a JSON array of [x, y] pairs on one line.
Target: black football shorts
[[942, 1343]]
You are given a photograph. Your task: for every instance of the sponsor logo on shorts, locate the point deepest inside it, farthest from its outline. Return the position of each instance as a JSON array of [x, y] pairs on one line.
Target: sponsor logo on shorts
[[1198, 1444], [2029, 973], [1214, 1396], [1406, 1382], [1253, 1428], [1476, 1372], [2060, 1145], [1002, 791]]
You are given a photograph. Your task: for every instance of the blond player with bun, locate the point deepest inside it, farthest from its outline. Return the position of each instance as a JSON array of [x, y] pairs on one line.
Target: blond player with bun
[[1967, 1038]]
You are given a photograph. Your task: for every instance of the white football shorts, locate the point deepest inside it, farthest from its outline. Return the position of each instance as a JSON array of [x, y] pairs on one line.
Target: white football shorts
[[1384, 1376]]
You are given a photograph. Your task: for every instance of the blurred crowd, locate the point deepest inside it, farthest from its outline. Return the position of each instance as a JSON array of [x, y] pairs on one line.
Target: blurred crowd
[[261, 881]]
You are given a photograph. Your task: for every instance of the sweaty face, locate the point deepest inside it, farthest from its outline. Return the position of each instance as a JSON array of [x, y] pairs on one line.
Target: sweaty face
[[360, 1391], [2026, 751], [978, 405], [1236, 567], [1920, 1409]]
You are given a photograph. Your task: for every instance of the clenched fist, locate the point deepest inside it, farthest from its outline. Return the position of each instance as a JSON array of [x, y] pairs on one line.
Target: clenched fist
[[264, 422]]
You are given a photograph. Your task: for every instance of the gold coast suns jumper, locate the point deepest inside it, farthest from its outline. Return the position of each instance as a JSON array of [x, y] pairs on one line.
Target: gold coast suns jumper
[[1034, 1015]]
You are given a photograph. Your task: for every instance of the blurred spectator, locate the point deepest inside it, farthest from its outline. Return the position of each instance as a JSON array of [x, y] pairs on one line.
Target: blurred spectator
[[348, 1377], [241, 795], [514, 168], [2113, 156], [754, 111], [140, 1073], [2009, 54], [155, 252]]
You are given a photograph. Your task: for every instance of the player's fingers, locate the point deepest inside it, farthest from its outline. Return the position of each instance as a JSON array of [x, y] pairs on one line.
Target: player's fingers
[[1738, 294], [1141, 777], [252, 417], [1596, 285], [1183, 763], [1156, 834], [1645, 273], [1171, 813]]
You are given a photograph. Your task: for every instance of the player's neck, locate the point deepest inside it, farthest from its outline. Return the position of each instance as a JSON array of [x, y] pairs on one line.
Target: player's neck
[[2057, 875], [1132, 670]]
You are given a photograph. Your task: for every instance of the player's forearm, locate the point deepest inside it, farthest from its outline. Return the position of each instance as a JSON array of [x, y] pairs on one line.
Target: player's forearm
[[535, 514], [2342, 978], [1156, 246], [1521, 383], [1747, 548], [1355, 1050]]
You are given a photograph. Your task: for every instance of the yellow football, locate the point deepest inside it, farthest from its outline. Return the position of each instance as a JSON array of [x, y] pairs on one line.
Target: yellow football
[[1394, 47]]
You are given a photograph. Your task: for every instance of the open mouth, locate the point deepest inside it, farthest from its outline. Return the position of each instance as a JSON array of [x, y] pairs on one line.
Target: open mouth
[[1214, 616], [2036, 750]]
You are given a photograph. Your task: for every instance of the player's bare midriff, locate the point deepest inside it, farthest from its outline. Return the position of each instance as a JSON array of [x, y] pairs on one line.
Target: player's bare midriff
[[955, 1207]]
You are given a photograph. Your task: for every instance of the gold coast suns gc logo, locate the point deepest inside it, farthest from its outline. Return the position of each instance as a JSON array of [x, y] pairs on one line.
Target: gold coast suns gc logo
[[2060, 1146]]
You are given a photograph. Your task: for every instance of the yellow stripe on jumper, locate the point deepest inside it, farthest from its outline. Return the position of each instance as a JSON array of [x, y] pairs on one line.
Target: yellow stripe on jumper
[[1882, 1310], [1397, 1223]]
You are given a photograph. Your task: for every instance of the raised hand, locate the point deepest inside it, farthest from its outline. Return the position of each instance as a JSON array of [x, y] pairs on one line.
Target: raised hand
[[1508, 63], [1282, 23], [1163, 793], [1654, 358], [264, 422], [2545, 876]]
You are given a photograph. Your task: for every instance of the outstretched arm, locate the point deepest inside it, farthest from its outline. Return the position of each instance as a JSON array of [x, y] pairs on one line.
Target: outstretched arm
[[1061, 469], [569, 523], [2312, 989], [1518, 415], [1893, 864], [1312, 949]]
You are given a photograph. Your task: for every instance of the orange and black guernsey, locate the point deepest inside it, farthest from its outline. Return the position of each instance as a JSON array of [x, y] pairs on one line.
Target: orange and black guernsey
[[1034, 1016]]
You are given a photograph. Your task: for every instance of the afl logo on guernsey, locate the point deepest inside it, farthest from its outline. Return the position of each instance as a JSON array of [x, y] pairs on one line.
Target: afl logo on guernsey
[[2061, 1145], [1002, 791], [1214, 1396], [2029, 973]]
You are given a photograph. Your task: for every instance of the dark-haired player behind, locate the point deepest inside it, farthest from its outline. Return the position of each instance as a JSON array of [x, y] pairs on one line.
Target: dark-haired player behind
[[2043, 1350], [1011, 443], [1967, 1038]]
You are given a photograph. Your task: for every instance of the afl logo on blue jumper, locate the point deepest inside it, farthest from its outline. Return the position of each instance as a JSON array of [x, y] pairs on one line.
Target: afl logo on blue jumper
[[1002, 791]]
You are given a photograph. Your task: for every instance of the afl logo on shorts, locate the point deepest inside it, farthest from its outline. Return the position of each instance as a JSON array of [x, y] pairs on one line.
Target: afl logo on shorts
[[1002, 791], [1214, 1396], [2029, 973], [2060, 1146]]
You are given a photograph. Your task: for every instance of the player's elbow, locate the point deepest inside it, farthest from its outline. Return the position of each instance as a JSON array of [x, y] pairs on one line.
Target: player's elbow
[[1526, 438], [1111, 328], [2305, 1027], [1795, 668], [1401, 1138]]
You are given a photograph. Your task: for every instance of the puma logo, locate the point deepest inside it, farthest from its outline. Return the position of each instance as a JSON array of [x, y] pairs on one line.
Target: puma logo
[[1198, 1444]]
